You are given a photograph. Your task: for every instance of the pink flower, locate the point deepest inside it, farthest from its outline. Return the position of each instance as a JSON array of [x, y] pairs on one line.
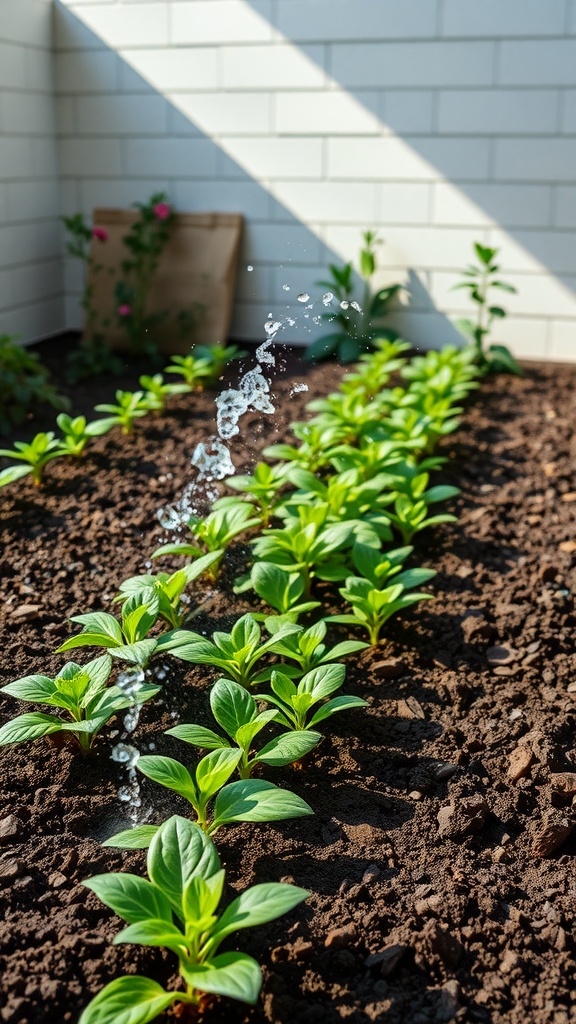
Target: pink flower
[[100, 233], [124, 310], [162, 211]]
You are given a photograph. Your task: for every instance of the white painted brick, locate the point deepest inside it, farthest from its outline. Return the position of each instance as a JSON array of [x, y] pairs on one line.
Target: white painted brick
[[272, 67], [537, 160], [3, 196], [131, 25], [483, 204], [298, 279], [87, 71], [27, 113], [71, 33], [421, 248], [119, 193], [49, 240], [324, 113], [492, 18], [565, 215], [168, 158], [569, 112], [254, 286], [563, 341], [86, 157], [29, 283], [527, 337], [33, 320], [65, 115], [420, 159], [227, 113], [245, 197], [27, 21], [249, 319], [572, 17], [12, 66], [333, 202], [539, 295], [73, 313], [280, 244], [69, 196], [408, 111], [498, 112], [16, 157], [277, 158], [224, 21], [536, 251], [29, 200], [39, 70], [180, 124], [404, 203], [355, 19], [425, 330], [173, 68], [538, 62], [393, 65], [17, 244], [121, 115]]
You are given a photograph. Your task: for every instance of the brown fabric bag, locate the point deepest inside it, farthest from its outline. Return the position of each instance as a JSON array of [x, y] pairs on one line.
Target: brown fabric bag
[[198, 265]]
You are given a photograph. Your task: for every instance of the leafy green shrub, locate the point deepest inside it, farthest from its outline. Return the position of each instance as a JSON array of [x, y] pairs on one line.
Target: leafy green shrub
[[25, 385]]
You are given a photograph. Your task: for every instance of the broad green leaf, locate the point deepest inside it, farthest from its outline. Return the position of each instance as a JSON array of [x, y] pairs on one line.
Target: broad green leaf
[[131, 897], [29, 727], [258, 905], [168, 772], [322, 681], [342, 703], [215, 769], [128, 1000], [100, 622], [256, 800], [201, 898], [232, 705], [33, 688], [235, 975], [13, 473], [178, 851], [177, 549], [153, 932], [198, 736], [89, 640], [137, 653], [288, 747], [138, 838]]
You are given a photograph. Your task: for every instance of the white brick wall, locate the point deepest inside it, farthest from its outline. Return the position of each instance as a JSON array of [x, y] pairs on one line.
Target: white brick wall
[[31, 283], [437, 122]]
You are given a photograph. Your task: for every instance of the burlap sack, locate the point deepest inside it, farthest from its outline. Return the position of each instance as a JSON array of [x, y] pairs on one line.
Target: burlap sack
[[198, 265]]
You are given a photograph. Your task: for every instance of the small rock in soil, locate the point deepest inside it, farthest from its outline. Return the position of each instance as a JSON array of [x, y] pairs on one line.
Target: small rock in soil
[[449, 1002], [443, 944], [9, 868], [564, 782], [410, 708], [520, 761], [445, 771], [501, 655], [387, 959], [9, 827], [550, 833], [25, 611], [340, 938], [389, 669], [462, 817]]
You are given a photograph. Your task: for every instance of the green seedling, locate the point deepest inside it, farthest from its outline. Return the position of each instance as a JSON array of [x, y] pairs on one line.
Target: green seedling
[[195, 370], [315, 448], [354, 321], [237, 653], [307, 648], [352, 414], [76, 433], [162, 593], [372, 607], [262, 487], [380, 568], [481, 279], [308, 545], [280, 589], [81, 691], [130, 406], [156, 392], [127, 640], [410, 516], [215, 533], [372, 458], [31, 459], [294, 701], [178, 908], [25, 385], [218, 357], [348, 498], [236, 712], [215, 801]]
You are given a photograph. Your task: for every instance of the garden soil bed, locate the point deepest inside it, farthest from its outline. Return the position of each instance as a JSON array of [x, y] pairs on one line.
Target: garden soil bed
[[441, 855]]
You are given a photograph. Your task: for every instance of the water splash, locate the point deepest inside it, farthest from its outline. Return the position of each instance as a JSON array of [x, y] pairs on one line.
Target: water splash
[[130, 682], [303, 297], [327, 298]]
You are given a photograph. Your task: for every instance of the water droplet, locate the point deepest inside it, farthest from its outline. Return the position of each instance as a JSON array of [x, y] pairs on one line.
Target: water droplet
[[123, 753], [327, 298], [356, 306], [286, 287], [344, 304], [249, 268], [303, 297]]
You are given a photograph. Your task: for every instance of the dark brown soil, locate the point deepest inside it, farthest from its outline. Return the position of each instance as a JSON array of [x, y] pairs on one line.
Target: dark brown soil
[[442, 878]]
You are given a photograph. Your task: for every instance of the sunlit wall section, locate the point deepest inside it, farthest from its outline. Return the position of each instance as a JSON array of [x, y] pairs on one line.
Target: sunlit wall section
[[31, 286], [437, 122]]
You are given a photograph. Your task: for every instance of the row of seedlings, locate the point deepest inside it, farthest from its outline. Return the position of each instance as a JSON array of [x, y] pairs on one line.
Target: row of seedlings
[[358, 478], [200, 369]]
